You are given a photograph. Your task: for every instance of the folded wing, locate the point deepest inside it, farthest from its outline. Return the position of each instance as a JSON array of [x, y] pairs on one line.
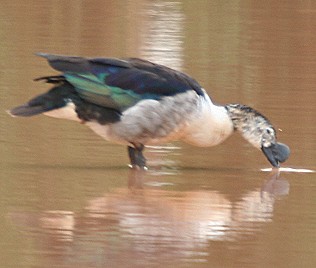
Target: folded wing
[[119, 84]]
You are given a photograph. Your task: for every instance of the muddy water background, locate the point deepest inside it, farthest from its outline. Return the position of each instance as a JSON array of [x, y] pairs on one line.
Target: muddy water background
[[67, 197]]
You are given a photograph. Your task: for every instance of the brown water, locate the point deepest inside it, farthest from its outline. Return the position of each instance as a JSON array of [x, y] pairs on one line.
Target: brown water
[[68, 198]]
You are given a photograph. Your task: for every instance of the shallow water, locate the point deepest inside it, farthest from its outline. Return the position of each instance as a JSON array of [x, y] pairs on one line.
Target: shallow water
[[68, 198]]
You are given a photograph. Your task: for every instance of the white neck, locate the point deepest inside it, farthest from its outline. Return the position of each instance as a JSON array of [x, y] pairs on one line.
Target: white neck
[[210, 125]]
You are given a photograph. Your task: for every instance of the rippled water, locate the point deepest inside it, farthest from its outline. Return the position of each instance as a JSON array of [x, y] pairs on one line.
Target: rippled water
[[68, 198]]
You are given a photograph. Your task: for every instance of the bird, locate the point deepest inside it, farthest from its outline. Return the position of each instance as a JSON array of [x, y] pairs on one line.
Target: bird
[[138, 103]]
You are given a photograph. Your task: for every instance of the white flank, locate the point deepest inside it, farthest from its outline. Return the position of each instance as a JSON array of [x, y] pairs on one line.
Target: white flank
[[66, 112]]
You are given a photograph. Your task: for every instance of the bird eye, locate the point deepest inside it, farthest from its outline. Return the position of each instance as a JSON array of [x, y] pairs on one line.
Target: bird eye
[[269, 131]]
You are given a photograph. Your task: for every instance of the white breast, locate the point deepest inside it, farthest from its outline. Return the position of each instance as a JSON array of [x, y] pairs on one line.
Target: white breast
[[209, 126]]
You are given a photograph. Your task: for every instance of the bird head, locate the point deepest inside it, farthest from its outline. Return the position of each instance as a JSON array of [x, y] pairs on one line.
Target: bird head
[[257, 130], [275, 152]]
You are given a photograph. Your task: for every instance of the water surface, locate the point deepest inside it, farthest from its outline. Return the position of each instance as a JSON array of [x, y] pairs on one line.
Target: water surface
[[68, 198]]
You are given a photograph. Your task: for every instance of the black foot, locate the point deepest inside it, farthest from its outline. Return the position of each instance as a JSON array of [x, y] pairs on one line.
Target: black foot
[[136, 156]]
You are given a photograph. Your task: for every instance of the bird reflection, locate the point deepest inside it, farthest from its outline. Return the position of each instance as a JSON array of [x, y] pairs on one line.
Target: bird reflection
[[136, 178], [151, 222], [275, 186]]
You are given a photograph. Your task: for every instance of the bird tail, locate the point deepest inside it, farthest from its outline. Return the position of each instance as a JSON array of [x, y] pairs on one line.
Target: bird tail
[[55, 98], [26, 110]]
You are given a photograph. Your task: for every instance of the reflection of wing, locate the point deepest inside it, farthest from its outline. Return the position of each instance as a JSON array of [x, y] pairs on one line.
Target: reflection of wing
[[119, 84]]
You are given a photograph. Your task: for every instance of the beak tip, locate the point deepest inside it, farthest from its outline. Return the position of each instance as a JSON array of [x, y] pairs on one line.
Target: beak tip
[[277, 153], [283, 152]]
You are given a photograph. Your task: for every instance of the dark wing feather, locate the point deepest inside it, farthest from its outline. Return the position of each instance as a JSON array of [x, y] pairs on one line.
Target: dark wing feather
[[119, 83], [169, 81]]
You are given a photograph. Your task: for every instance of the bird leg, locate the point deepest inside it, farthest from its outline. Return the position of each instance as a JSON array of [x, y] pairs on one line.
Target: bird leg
[[136, 157]]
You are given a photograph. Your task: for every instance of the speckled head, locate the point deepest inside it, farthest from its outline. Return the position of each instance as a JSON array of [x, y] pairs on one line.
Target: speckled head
[[257, 130]]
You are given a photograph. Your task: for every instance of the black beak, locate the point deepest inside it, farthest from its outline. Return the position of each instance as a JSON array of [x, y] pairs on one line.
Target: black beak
[[276, 153]]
